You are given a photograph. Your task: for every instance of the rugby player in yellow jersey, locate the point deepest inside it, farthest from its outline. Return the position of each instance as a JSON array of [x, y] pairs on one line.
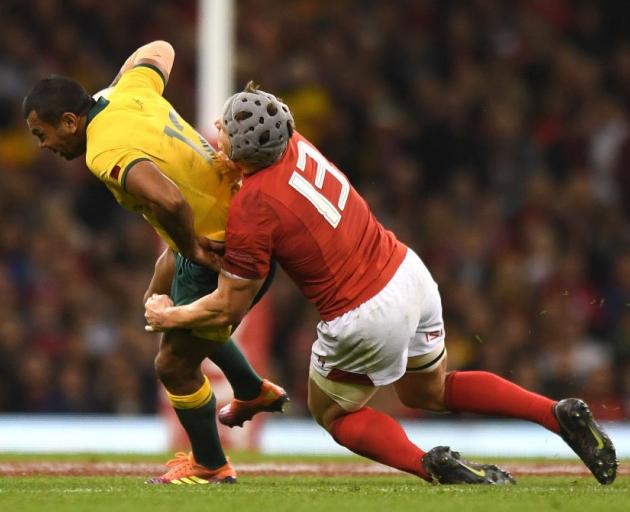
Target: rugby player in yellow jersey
[[156, 164]]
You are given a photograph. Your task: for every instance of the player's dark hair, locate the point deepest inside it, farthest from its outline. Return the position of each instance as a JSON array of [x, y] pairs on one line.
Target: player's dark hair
[[54, 95]]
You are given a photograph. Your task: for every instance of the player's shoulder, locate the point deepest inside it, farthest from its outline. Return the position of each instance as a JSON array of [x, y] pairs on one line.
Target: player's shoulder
[[145, 77], [267, 184], [251, 192], [97, 154], [102, 134], [270, 178], [97, 158]]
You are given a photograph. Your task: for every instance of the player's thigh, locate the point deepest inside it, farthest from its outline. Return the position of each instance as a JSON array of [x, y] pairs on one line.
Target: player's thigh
[[367, 347], [423, 390], [192, 281], [180, 345], [422, 385], [369, 344], [329, 400]]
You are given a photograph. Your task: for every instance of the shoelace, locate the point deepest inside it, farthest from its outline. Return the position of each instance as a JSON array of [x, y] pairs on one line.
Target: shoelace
[[180, 459]]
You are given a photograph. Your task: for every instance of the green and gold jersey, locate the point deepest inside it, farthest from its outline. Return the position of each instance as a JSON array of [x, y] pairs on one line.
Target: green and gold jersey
[[136, 123]]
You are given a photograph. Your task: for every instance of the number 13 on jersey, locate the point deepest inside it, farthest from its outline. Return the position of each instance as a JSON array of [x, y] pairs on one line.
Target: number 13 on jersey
[[313, 192]]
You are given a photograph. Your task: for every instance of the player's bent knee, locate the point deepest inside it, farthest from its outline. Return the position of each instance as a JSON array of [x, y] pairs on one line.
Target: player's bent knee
[[329, 400], [173, 371], [429, 403], [321, 413], [326, 417], [411, 401], [422, 386], [163, 369], [419, 394], [428, 399], [317, 414]]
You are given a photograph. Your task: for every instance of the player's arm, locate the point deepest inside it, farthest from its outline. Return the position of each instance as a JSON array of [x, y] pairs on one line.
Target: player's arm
[[159, 54], [227, 305], [162, 274], [248, 250], [169, 206]]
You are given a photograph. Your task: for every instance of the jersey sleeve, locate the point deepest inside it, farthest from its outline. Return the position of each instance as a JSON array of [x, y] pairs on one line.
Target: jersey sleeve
[[249, 237], [111, 167], [142, 76]]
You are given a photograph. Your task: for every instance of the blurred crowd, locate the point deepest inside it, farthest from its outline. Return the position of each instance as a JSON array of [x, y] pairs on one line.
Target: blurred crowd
[[493, 137]]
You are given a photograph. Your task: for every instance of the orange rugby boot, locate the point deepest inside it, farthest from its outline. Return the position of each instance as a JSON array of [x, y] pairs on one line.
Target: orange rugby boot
[[272, 398], [183, 470]]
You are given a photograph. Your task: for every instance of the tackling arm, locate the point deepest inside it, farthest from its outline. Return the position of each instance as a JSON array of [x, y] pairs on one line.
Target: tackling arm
[[227, 305], [158, 53]]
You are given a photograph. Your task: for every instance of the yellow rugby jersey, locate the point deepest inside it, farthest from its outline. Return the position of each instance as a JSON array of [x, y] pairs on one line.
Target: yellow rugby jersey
[[136, 123]]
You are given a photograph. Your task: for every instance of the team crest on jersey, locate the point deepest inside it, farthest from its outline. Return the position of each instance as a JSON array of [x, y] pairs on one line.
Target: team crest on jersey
[[433, 335]]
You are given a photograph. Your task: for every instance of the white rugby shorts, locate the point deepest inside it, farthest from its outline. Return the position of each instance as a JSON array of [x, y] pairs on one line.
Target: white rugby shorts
[[399, 329]]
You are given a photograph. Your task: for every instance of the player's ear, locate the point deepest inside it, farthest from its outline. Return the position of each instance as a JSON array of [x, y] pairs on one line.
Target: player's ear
[[70, 121]]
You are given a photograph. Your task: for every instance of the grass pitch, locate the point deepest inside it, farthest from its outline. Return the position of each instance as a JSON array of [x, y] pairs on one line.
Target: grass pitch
[[304, 493]]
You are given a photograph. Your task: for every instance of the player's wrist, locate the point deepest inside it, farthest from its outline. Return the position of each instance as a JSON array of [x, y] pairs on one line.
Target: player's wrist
[[191, 250], [168, 318]]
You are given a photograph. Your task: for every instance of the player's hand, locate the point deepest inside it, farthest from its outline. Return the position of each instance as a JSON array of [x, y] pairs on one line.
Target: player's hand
[[155, 312], [229, 170], [208, 253], [228, 165], [212, 246]]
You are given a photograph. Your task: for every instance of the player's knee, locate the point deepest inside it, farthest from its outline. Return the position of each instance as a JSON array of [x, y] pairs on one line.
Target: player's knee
[[173, 371], [325, 417], [429, 403], [411, 401], [162, 368], [316, 412], [430, 398], [319, 414]]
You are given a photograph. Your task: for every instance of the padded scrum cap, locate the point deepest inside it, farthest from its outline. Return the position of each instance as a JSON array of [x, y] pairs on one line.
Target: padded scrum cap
[[259, 126]]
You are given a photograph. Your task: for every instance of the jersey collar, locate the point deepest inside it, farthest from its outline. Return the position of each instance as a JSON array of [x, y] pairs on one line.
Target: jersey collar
[[97, 108]]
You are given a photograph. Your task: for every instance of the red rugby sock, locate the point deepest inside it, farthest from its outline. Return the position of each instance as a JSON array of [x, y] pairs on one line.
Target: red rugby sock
[[379, 437], [487, 393]]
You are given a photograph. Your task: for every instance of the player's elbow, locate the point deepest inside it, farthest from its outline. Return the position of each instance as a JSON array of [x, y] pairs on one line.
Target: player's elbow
[[172, 202], [167, 54], [215, 319], [231, 315], [227, 308], [231, 318], [163, 53], [165, 49]]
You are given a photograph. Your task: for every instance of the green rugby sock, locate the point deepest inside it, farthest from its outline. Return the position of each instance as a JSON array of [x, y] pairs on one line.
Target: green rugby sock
[[242, 377], [201, 427]]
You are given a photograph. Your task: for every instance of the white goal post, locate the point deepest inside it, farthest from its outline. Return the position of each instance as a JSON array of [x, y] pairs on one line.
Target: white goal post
[[215, 60]]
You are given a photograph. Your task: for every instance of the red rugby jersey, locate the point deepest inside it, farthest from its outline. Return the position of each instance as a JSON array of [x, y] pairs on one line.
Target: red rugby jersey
[[303, 212]]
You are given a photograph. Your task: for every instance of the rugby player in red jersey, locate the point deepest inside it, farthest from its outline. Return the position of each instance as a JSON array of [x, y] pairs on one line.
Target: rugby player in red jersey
[[381, 313]]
